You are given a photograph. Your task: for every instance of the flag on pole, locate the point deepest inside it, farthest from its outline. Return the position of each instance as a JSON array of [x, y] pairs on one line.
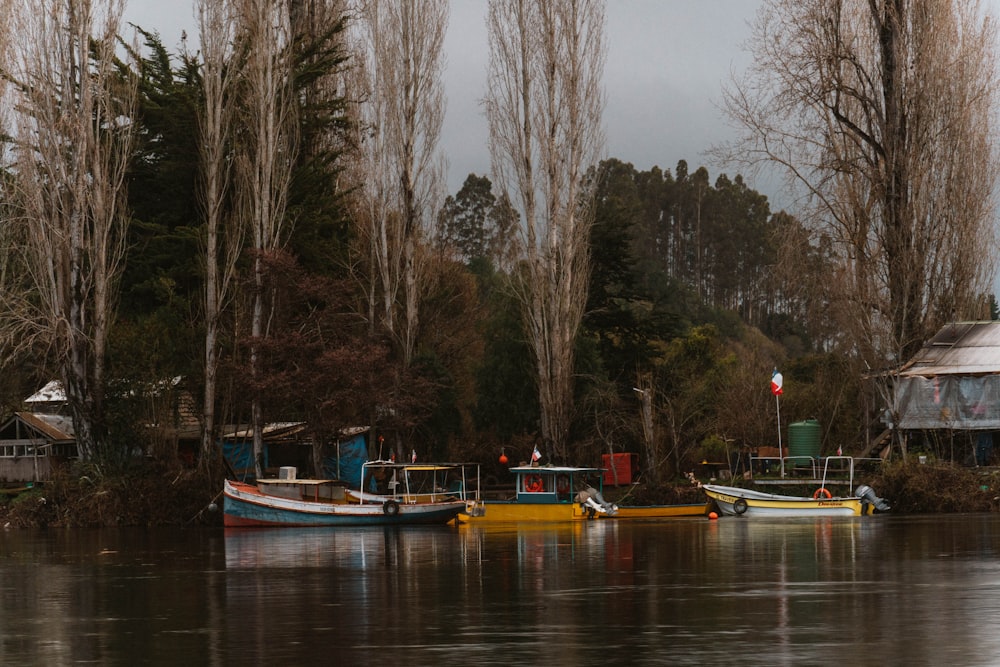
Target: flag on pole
[[776, 381], [776, 389], [535, 455]]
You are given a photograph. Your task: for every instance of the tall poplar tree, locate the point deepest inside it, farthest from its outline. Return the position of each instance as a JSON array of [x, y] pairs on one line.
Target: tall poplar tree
[[544, 105], [400, 45], [223, 237]]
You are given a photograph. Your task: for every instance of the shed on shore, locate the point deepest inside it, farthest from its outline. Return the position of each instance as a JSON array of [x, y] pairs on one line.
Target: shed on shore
[[953, 383], [33, 444]]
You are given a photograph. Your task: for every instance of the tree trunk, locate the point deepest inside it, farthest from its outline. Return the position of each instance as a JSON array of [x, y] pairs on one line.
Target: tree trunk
[[270, 153], [222, 242]]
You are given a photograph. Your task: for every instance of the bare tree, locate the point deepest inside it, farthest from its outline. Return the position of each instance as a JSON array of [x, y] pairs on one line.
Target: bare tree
[[544, 107], [326, 124], [223, 238], [9, 236], [269, 143], [72, 140], [882, 110], [367, 205], [400, 44], [7, 14]]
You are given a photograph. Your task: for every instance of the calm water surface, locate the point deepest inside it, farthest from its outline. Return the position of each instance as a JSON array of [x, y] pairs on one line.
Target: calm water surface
[[872, 591]]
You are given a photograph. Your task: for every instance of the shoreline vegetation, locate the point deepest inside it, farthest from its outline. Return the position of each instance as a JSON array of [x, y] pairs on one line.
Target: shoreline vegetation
[[151, 494]]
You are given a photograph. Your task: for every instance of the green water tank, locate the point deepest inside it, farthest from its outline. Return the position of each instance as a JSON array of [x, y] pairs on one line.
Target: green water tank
[[804, 438]]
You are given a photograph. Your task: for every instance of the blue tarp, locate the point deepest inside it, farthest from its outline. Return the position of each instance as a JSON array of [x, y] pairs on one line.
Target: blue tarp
[[239, 454], [353, 453]]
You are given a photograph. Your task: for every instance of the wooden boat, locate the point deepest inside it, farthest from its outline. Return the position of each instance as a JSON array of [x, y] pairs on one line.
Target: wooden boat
[[564, 493], [734, 501], [414, 494]]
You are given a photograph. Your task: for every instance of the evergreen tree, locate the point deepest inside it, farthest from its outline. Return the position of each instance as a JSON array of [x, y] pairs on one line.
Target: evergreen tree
[[506, 400], [464, 218], [161, 269], [617, 314], [322, 234]]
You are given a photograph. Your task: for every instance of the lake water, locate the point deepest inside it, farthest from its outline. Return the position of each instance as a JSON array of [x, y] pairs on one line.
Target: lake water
[[868, 591]]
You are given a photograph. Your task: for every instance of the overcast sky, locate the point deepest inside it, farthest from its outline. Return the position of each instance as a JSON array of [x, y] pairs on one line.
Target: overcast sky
[[667, 61], [665, 66]]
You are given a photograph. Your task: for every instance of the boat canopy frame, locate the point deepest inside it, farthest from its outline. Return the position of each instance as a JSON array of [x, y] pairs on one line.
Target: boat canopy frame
[[401, 478]]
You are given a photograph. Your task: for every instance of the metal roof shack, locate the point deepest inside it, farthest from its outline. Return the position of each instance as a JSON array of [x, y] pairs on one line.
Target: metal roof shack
[[33, 445], [953, 382], [168, 413]]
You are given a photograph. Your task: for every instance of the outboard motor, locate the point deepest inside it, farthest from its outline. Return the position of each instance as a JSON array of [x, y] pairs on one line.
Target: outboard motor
[[867, 494], [592, 499]]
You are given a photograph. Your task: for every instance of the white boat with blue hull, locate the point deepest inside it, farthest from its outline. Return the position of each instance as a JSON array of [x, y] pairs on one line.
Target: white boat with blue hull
[[323, 502]]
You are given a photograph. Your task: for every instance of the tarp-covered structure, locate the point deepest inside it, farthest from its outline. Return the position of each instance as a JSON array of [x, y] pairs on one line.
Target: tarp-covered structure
[[954, 381], [290, 444]]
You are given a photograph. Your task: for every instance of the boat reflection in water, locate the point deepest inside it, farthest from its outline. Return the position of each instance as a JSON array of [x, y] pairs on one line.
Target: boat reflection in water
[[798, 542], [868, 590], [805, 575], [786, 592], [358, 548]]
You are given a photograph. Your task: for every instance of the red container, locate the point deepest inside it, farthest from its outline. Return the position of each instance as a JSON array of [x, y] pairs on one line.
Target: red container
[[619, 469]]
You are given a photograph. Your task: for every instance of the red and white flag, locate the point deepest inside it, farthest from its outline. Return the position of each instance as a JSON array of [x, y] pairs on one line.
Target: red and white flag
[[776, 381], [535, 455]]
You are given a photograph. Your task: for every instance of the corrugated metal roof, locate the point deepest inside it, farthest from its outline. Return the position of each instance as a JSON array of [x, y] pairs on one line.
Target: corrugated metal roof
[[959, 348], [269, 431], [53, 427]]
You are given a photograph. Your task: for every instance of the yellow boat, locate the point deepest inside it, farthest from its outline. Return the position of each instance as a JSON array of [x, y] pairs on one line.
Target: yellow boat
[[556, 494]]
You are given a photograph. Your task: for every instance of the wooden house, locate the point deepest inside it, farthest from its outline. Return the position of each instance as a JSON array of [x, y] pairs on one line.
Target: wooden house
[[32, 445]]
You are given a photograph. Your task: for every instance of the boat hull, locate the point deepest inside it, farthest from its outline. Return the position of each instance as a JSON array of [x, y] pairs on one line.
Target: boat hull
[[245, 505], [733, 501], [662, 511], [521, 512]]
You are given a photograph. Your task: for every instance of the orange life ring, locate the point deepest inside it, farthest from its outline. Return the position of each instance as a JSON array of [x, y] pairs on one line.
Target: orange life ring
[[533, 484], [562, 484], [822, 491]]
